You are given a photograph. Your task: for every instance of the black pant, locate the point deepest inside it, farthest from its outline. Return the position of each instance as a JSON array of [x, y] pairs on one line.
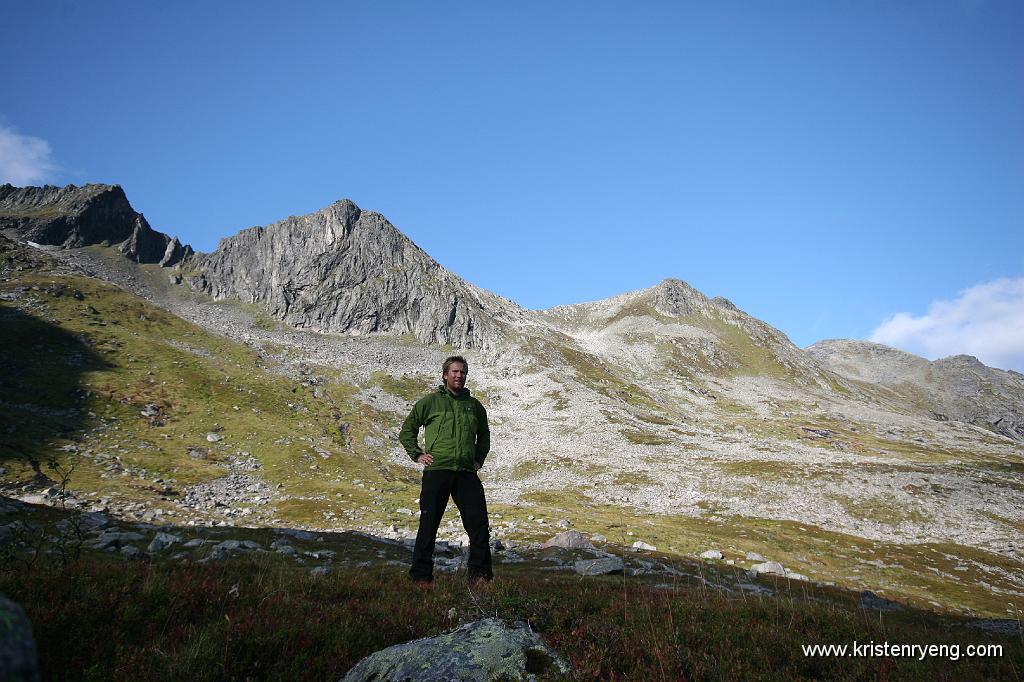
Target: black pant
[[468, 492]]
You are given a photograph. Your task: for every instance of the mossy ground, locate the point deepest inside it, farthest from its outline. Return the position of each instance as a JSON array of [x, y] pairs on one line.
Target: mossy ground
[[410, 387]]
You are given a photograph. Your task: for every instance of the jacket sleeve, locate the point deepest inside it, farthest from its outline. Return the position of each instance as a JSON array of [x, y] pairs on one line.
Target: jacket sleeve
[[409, 435], [483, 434]]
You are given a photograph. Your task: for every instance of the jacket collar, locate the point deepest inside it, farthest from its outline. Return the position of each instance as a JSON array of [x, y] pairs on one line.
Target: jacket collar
[[464, 393]]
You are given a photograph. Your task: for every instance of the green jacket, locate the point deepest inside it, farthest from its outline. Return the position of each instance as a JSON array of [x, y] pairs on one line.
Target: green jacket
[[456, 435]]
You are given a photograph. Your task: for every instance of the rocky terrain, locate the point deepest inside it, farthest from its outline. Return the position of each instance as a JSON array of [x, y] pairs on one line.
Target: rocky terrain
[[349, 271], [659, 416], [79, 216], [959, 387]]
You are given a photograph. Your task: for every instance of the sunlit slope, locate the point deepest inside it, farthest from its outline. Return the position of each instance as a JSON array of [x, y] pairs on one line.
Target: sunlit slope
[[670, 353], [958, 387]]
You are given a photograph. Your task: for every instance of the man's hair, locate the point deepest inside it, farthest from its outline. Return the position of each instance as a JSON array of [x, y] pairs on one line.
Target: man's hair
[[448, 363]]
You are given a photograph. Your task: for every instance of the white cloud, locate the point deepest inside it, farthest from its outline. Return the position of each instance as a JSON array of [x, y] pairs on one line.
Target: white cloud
[[24, 160], [986, 321]]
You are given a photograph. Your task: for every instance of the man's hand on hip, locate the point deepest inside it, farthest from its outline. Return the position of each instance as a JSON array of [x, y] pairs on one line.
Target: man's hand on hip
[[425, 458]]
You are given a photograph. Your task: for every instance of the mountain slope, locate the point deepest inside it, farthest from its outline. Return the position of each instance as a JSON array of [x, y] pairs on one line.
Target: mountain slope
[[958, 387], [705, 335]]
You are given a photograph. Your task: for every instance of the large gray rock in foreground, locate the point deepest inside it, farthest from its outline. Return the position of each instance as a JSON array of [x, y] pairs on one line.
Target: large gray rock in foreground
[[18, 658], [483, 650]]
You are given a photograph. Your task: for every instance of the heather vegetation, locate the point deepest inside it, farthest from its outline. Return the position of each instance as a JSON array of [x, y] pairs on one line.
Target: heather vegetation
[[262, 618]]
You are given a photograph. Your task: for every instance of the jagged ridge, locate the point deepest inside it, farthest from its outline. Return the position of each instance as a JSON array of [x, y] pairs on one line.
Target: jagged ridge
[[73, 216], [345, 270]]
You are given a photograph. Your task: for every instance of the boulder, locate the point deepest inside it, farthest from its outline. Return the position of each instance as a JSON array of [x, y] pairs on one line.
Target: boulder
[[601, 566], [570, 539], [131, 552], [711, 554], [114, 538], [162, 541], [18, 657], [302, 535], [482, 650], [768, 568]]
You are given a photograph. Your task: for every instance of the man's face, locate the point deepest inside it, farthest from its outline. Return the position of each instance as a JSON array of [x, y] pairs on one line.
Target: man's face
[[455, 377]]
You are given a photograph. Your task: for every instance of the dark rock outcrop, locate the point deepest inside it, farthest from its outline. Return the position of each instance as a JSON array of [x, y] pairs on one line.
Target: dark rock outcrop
[[18, 658], [73, 216]]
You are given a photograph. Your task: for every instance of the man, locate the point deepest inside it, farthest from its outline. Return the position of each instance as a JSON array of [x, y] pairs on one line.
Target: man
[[456, 441]]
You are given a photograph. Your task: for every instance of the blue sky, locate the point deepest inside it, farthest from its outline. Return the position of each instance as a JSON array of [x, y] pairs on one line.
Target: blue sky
[[826, 166]]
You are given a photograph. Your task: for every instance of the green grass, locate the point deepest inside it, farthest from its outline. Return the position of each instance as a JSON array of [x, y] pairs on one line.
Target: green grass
[[655, 419], [637, 478], [601, 377], [559, 400], [637, 437], [410, 387], [749, 358], [639, 308], [765, 469], [879, 510], [36, 213]]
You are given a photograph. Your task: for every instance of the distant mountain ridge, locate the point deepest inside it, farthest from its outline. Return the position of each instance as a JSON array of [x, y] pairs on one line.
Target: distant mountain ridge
[[73, 216], [957, 387], [715, 327]]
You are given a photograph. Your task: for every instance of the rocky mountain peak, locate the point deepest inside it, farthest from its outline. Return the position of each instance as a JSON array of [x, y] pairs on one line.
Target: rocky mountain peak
[[676, 298], [72, 216], [345, 270], [965, 361]]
